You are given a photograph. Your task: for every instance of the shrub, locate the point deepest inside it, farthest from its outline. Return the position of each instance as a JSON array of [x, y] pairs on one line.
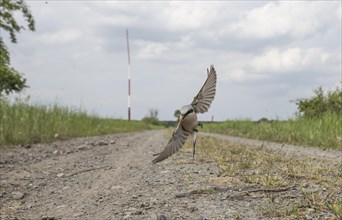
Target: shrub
[[321, 103]]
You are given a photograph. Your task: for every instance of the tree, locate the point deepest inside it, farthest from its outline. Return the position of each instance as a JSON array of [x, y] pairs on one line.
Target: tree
[[319, 104], [177, 113], [154, 113], [152, 118], [10, 79]]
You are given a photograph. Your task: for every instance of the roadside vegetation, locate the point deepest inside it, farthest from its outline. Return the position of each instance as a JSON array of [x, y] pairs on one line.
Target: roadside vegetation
[[284, 186], [324, 132], [22, 123], [318, 123]]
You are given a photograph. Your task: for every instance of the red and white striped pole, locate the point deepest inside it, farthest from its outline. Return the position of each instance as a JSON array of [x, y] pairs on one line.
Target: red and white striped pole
[[129, 79]]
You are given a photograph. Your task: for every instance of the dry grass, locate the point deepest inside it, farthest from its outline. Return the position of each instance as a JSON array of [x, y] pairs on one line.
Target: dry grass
[[316, 184]]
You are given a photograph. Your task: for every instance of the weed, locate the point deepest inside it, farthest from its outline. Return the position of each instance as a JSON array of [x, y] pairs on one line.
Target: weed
[[317, 185], [324, 132], [22, 123]]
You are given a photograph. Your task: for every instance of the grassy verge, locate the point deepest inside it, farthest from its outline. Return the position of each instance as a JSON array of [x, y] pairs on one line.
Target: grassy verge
[[23, 123], [325, 132], [280, 186]]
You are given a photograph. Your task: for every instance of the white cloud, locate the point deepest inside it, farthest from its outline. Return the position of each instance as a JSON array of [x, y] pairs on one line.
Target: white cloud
[[237, 75], [296, 19], [180, 16], [149, 50], [274, 60], [61, 36], [289, 60]]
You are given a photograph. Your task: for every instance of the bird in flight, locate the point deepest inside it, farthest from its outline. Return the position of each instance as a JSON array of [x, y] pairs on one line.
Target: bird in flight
[[188, 119]]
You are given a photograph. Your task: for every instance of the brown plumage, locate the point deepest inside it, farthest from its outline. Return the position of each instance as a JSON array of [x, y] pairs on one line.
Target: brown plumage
[[188, 120]]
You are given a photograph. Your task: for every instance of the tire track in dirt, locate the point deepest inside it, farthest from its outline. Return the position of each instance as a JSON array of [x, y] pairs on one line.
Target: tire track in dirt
[[331, 156]]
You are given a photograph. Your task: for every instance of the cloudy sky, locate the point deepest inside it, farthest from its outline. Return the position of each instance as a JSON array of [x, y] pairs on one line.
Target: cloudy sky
[[265, 53]]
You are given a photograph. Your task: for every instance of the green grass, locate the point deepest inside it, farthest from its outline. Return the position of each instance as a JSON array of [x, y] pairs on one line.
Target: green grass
[[22, 123], [324, 132], [316, 184]]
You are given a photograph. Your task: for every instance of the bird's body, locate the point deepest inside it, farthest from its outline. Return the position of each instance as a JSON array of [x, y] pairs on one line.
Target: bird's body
[[188, 119]]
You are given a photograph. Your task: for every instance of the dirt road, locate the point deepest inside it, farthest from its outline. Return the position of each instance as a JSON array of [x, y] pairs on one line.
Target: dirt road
[[112, 177]]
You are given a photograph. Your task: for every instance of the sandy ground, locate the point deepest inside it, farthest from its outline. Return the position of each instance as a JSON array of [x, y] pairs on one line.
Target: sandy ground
[[112, 177]]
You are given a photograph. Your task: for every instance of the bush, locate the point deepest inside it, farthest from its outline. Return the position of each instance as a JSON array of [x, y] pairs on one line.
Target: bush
[[152, 119], [320, 104]]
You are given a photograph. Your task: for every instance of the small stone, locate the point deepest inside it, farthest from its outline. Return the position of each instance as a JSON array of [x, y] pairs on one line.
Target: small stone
[[48, 218], [132, 211], [55, 152], [127, 216], [310, 210], [153, 201], [138, 212], [61, 206], [77, 215], [60, 175], [161, 217], [117, 187], [17, 195], [193, 209], [101, 143], [27, 146], [212, 206], [307, 217], [112, 142], [145, 205], [306, 185], [82, 147]]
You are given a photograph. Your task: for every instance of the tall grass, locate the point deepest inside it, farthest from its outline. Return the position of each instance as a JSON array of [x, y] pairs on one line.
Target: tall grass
[[21, 123], [324, 132]]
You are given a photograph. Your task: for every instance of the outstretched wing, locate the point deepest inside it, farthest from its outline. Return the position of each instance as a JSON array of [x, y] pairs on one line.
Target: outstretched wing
[[176, 141], [205, 96]]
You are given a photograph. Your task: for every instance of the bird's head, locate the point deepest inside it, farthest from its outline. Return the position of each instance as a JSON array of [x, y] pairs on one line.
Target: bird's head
[[185, 110]]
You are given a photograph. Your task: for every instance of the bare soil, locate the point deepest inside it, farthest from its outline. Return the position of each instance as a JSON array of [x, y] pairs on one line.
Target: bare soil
[[112, 177]]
